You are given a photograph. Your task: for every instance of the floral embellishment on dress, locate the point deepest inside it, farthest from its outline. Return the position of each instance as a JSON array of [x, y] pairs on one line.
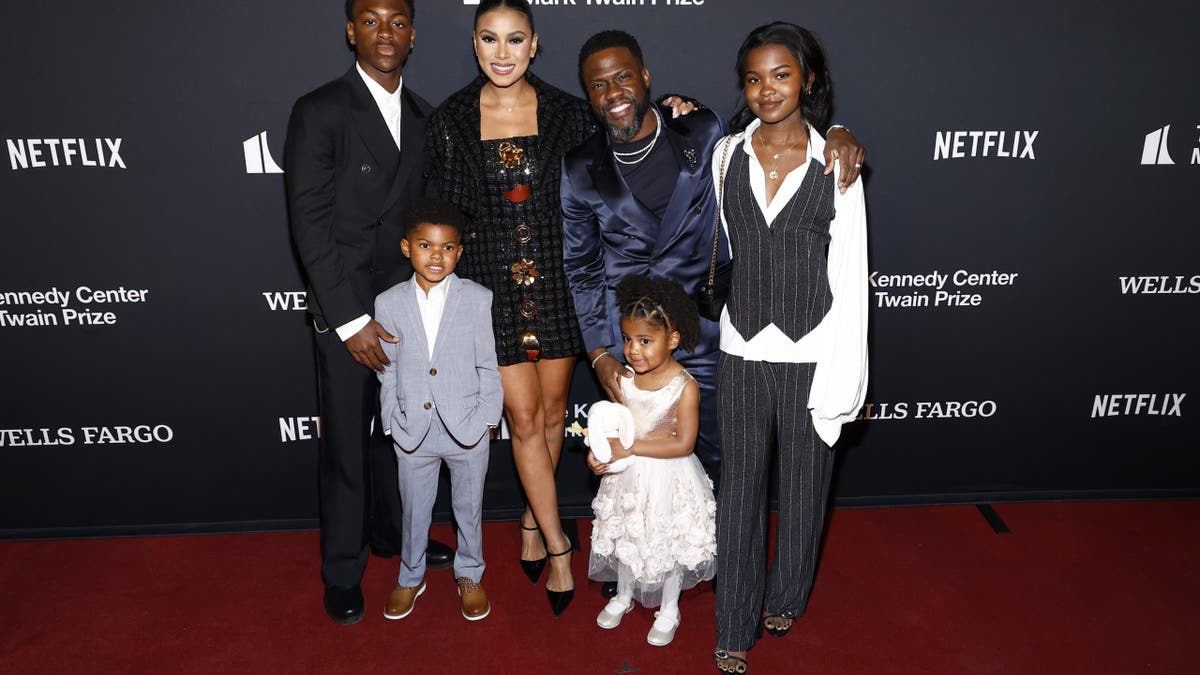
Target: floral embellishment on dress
[[524, 272], [511, 155]]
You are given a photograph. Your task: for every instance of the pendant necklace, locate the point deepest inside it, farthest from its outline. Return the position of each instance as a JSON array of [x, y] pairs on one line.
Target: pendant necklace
[[774, 173]]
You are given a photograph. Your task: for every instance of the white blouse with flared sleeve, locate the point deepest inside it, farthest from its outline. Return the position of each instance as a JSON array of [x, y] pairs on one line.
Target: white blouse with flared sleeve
[[838, 345]]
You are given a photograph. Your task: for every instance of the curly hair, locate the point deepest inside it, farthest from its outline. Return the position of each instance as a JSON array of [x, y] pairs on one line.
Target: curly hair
[[433, 212], [660, 302]]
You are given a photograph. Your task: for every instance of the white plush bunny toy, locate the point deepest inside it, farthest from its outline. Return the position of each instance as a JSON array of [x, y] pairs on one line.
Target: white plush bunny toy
[[609, 420]]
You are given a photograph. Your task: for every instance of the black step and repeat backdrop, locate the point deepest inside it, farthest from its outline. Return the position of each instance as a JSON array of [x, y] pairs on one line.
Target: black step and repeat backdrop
[[1035, 254]]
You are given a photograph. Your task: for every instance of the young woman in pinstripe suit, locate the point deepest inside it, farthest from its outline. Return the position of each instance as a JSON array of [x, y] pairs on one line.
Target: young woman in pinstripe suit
[[793, 364]]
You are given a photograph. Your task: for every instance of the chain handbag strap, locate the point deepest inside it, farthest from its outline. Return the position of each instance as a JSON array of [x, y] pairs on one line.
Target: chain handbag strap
[[712, 267]]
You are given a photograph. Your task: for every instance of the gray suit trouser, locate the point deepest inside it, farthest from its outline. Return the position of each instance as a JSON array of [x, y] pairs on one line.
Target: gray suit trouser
[[418, 476], [759, 400]]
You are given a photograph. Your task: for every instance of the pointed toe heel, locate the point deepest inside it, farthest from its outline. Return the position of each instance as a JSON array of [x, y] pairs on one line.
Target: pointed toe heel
[[559, 600], [533, 568]]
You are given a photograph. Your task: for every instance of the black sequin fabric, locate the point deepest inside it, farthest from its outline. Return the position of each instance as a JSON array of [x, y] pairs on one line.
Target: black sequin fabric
[[513, 247]]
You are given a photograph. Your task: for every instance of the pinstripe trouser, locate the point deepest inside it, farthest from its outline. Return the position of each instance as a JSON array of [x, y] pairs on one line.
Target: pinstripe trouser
[[756, 398]]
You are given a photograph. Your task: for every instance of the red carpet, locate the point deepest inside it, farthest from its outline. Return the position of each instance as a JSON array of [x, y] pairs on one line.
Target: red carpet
[[1076, 588]]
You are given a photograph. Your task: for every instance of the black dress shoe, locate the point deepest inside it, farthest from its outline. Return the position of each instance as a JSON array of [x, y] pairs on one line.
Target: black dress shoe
[[609, 589], [344, 604], [438, 555]]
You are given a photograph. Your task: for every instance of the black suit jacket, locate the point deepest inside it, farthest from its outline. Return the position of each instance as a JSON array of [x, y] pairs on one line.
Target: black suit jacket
[[347, 186]]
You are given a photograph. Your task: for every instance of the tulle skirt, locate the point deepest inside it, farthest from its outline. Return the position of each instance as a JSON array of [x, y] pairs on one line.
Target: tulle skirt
[[655, 519]]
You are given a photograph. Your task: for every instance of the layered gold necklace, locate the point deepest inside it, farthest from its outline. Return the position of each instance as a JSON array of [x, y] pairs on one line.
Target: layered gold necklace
[[774, 173]]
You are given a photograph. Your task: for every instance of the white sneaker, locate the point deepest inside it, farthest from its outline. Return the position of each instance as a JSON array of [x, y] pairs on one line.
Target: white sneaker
[[664, 629], [610, 617]]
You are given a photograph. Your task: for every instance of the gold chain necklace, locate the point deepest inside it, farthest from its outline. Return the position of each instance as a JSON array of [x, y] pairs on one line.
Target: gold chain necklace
[[774, 174]]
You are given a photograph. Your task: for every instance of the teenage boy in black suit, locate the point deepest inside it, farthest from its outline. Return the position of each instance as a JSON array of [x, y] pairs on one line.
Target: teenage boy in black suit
[[354, 159]]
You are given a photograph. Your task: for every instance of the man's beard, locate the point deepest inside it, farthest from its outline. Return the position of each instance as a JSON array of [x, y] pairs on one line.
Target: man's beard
[[626, 134]]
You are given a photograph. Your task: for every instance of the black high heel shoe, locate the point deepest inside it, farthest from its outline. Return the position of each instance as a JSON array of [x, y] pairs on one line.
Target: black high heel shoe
[[533, 568], [559, 600]]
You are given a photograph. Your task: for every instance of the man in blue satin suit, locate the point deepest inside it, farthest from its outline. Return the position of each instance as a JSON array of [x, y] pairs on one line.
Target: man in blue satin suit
[[637, 198]]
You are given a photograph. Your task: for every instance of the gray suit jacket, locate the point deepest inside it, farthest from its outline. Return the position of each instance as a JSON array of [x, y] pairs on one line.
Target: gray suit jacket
[[460, 384]]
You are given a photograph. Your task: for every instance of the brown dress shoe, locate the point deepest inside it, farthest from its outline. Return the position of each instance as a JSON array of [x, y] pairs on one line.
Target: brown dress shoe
[[475, 605], [402, 600]]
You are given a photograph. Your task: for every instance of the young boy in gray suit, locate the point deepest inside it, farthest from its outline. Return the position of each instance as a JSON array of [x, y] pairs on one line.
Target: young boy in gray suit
[[440, 397]]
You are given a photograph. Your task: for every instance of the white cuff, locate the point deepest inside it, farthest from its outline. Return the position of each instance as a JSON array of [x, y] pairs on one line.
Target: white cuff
[[829, 430], [348, 329]]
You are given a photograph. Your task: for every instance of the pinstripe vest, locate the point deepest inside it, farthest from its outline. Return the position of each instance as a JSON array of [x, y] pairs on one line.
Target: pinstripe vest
[[780, 275]]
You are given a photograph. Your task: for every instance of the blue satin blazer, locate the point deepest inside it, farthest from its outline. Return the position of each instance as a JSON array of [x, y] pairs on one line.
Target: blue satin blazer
[[608, 234]]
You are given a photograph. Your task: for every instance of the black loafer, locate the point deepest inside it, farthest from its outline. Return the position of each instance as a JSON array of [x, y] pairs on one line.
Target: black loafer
[[438, 555], [344, 604]]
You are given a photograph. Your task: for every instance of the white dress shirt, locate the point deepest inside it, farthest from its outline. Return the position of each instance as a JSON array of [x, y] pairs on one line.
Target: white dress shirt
[[838, 345], [387, 101], [389, 106], [431, 305]]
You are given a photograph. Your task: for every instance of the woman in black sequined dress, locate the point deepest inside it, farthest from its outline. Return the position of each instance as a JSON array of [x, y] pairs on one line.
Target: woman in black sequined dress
[[496, 148]]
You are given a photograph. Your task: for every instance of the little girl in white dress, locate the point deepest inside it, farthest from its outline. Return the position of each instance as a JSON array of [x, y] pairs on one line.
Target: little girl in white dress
[[655, 528]]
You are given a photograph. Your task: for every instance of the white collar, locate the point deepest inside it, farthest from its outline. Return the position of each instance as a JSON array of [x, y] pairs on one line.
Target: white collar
[[383, 98], [816, 142], [441, 288], [791, 182]]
